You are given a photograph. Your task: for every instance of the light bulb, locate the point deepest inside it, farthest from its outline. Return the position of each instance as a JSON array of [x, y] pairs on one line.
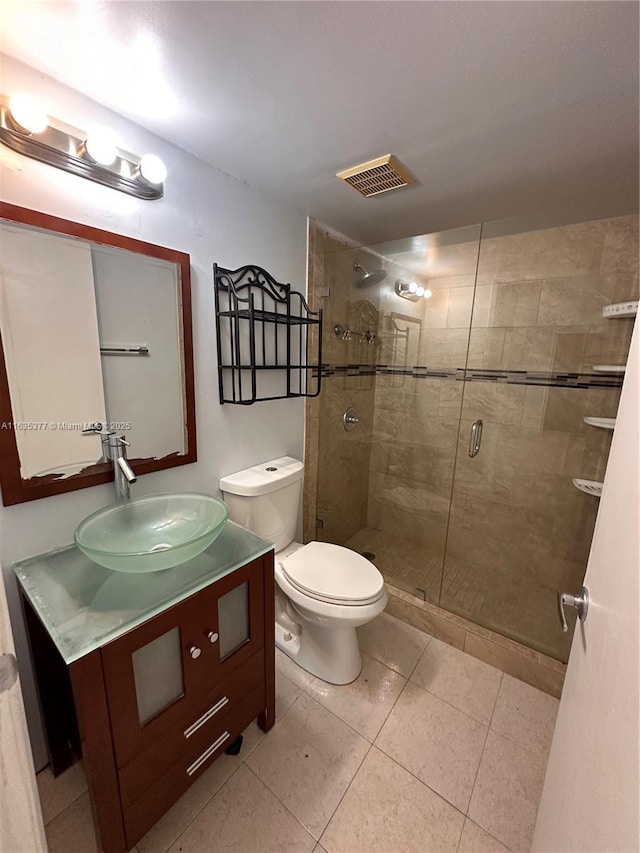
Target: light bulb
[[420, 291], [101, 147], [427, 293], [152, 169], [28, 113], [413, 287]]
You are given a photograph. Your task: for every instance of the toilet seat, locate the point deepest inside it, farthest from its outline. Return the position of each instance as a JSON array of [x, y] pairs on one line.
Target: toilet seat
[[333, 574]]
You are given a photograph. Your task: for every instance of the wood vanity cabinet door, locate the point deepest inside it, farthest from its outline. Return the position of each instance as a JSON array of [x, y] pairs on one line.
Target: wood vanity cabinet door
[[233, 612], [159, 674], [154, 675]]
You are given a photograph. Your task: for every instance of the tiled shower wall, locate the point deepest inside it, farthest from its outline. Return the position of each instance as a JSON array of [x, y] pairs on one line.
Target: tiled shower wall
[[336, 491], [519, 529], [515, 528]]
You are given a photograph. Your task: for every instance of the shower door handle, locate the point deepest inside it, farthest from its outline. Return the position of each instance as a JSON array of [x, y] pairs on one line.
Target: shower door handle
[[475, 438], [580, 602]]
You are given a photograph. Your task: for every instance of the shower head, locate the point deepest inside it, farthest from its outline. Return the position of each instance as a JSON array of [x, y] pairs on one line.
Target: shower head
[[368, 279]]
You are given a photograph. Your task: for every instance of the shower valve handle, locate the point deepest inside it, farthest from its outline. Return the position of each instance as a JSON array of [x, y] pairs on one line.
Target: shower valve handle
[[580, 602]]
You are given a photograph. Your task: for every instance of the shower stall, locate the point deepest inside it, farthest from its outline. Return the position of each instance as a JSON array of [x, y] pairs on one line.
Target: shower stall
[[470, 385]]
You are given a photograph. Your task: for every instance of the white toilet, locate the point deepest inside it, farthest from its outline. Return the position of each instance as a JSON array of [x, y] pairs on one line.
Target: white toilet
[[323, 591]]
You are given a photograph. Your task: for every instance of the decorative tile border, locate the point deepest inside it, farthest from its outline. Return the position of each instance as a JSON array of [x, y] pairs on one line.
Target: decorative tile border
[[559, 379]]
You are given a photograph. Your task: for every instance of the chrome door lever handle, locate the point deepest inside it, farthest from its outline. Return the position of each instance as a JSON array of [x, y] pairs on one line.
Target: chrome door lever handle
[[475, 438], [580, 602]]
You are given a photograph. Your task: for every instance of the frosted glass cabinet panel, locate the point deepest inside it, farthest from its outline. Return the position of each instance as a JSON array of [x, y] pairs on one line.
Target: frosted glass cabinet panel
[[233, 620], [164, 675], [157, 670]]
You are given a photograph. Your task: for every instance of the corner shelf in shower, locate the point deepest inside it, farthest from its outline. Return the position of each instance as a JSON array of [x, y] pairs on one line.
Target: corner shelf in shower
[[609, 368], [621, 309], [269, 342], [601, 423], [589, 487]]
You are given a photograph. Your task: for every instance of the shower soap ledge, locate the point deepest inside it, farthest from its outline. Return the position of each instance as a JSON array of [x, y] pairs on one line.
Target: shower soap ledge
[[609, 368], [589, 487], [602, 423], [621, 309]]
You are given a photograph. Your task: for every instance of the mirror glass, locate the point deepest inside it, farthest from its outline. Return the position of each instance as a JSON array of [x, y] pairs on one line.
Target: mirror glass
[[95, 328]]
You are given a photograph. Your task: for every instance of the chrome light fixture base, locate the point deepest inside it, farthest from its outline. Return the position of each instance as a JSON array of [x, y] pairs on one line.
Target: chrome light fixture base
[[402, 289], [60, 148], [411, 291]]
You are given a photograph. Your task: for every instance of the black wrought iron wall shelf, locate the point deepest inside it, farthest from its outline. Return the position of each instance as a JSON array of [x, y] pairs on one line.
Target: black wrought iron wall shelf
[[269, 341]]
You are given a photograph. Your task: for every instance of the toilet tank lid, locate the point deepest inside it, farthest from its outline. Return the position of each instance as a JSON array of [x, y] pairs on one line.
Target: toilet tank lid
[[264, 478]]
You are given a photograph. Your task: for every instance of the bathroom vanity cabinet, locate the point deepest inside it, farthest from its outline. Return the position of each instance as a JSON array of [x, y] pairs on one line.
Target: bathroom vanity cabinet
[[150, 677]]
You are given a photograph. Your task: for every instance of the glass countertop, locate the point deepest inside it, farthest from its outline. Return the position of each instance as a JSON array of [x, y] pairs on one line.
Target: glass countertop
[[84, 606]]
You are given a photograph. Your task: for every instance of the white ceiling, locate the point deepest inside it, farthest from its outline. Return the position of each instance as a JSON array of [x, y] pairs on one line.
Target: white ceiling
[[499, 109]]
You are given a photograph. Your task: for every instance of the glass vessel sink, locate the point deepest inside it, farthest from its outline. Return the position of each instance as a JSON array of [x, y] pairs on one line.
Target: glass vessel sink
[[151, 533]]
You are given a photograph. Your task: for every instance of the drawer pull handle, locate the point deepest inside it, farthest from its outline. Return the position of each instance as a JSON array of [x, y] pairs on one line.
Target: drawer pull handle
[[206, 716], [207, 754]]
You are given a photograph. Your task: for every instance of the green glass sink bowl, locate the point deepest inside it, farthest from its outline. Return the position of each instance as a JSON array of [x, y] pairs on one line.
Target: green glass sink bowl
[[152, 533]]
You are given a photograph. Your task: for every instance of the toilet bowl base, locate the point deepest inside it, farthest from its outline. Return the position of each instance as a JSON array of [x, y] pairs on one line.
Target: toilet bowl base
[[331, 655]]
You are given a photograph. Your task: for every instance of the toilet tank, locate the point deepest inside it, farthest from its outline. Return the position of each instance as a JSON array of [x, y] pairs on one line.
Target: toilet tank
[[266, 498]]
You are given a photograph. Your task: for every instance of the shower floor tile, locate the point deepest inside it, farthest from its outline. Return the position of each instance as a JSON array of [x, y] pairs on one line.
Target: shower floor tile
[[315, 778]]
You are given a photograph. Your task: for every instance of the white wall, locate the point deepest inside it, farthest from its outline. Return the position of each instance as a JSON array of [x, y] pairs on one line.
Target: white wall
[[211, 216]]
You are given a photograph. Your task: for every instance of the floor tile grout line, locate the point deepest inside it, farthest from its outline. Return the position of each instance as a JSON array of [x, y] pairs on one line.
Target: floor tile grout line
[[362, 737], [422, 782], [277, 723], [544, 760], [489, 730], [420, 631], [484, 725], [406, 680], [455, 708], [390, 668], [71, 802], [495, 704], [62, 811], [344, 722], [497, 840], [397, 699], [370, 747], [199, 812], [475, 778], [284, 805], [415, 666]]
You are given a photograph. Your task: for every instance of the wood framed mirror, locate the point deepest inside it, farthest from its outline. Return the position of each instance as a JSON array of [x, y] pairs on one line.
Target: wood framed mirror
[[95, 327]]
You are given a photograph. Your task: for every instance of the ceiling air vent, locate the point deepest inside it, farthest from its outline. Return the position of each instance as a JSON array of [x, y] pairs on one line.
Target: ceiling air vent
[[377, 176]]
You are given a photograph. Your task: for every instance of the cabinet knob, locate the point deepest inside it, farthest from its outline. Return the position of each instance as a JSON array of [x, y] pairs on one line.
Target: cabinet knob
[[213, 637], [195, 652]]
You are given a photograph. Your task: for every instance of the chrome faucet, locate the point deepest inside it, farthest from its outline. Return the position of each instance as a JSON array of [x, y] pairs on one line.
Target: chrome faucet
[[115, 450]]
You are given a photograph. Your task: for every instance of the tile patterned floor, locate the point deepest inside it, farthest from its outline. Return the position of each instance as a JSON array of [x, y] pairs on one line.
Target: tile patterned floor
[[429, 750]]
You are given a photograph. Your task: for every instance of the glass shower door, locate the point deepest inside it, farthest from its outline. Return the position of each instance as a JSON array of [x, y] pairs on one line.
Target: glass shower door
[[520, 530], [384, 487]]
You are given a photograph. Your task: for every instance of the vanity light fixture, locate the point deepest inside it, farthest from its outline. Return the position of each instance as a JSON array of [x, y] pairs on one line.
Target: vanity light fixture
[[99, 148], [27, 114], [26, 128], [411, 290], [152, 169]]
